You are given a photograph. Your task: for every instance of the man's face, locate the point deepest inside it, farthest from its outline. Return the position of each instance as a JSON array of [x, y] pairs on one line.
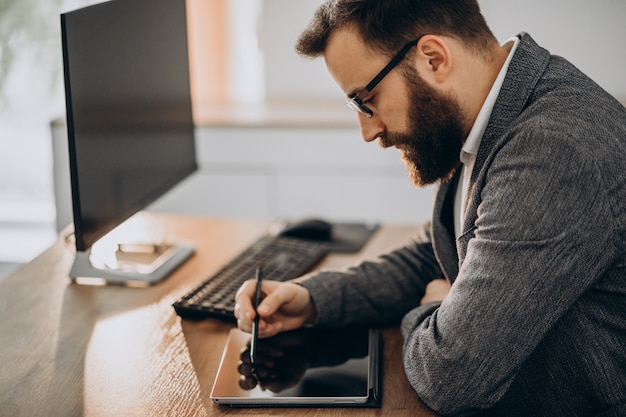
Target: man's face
[[423, 123]]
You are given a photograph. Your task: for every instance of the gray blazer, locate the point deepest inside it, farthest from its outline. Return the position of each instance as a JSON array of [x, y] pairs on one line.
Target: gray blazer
[[535, 323]]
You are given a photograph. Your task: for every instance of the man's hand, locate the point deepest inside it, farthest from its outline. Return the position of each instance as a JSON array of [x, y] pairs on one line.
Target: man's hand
[[285, 306], [436, 290]]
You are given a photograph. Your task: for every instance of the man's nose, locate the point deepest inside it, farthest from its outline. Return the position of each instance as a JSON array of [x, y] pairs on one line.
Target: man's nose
[[371, 127]]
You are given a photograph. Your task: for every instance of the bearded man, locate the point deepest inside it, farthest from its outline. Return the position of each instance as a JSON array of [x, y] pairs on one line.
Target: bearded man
[[512, 299]]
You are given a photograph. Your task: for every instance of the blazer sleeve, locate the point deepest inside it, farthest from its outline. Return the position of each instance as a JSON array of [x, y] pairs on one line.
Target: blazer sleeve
[[378, 292], [542, 237]]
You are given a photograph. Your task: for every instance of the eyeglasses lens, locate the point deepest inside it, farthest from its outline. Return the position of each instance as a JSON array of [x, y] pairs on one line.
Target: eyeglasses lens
[[355, 103]]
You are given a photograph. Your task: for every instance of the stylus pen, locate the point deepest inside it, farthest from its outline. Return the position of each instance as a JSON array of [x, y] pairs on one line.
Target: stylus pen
[[255, 323]]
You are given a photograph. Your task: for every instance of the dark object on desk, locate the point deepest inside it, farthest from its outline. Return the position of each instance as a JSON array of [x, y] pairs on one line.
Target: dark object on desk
[[282, 258], [314, 229], [305, 368], [340, 237]]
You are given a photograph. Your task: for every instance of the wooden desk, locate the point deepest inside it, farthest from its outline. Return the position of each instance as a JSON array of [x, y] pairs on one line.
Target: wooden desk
[[70, 350]]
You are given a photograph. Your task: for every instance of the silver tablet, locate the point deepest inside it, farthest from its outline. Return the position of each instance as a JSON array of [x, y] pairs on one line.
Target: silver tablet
[[302, 368]]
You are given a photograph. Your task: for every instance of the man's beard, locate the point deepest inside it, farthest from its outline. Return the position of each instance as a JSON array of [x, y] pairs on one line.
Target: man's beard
[[432, 144]]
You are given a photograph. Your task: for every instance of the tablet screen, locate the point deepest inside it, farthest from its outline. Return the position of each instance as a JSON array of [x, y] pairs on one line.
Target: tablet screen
[[317, 367]]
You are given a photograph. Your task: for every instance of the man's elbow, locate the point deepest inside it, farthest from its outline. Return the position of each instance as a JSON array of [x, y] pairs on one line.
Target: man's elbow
[[448, 385]]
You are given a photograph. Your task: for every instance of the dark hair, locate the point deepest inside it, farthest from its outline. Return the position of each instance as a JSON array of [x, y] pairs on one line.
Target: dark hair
[[389, 24]]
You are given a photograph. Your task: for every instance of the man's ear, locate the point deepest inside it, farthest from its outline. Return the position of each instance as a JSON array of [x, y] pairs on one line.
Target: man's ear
[[433, 59]]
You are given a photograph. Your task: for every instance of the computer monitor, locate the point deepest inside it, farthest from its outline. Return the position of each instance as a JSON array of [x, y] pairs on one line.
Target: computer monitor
[[130, 128]]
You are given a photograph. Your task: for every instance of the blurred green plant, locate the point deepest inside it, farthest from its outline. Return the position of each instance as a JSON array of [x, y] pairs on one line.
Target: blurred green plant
[[29, 26]]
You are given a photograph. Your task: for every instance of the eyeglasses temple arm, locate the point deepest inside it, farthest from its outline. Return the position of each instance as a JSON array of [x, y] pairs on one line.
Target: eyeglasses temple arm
[[390, 65]]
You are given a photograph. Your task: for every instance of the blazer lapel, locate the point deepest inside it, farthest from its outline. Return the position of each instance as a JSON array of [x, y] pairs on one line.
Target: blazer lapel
[[443, 227], [514, 96], [515, 92]]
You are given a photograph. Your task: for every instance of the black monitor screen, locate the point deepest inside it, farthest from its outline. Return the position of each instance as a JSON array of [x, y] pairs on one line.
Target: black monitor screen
[[129, 117]]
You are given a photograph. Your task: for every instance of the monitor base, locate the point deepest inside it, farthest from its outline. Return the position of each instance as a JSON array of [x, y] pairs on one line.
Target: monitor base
[[132, 265]]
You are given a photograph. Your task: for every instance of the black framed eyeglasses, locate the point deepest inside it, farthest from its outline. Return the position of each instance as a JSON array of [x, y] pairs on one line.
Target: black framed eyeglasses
[[356, 102]]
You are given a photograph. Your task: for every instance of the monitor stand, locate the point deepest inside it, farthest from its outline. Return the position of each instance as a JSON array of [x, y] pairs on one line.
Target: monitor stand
[[133, 265]]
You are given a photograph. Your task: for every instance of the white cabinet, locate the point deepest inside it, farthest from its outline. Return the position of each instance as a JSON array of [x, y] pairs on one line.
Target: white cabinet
[[281, 172], [296, 172]]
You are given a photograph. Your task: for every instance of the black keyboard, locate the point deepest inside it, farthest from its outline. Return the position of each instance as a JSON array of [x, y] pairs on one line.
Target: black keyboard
[[282, 258]]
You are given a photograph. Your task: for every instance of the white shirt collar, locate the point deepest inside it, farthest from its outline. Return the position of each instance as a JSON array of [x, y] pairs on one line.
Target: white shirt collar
[[472, 143]]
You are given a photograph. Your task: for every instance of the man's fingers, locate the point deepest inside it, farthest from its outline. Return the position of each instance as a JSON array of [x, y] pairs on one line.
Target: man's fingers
[[276, 297], [244, 303], [244, 309], [283, 307]]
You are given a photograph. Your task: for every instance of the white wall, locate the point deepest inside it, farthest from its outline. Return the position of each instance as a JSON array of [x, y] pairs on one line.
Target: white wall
[[588, 33], [287, 74]]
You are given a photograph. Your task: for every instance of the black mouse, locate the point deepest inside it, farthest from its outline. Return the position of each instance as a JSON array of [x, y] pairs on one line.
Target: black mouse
[[313, 229]]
